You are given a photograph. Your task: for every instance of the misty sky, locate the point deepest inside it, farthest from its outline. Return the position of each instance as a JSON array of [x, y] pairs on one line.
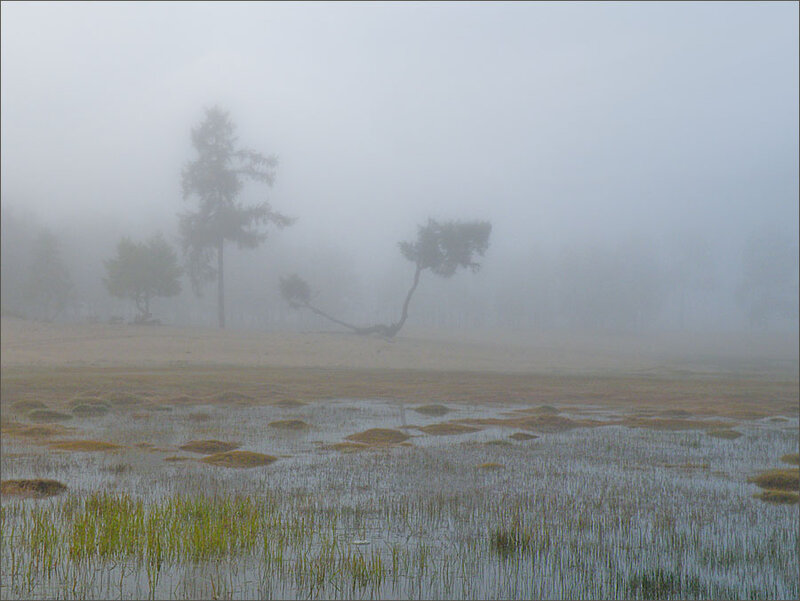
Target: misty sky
[[558, 122]]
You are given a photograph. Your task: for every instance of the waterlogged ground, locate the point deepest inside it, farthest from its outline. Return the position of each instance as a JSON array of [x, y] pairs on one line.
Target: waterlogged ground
[[599, 500]]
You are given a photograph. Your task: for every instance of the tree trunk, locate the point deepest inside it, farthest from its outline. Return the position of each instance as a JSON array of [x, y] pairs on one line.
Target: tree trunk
[[220, 285]]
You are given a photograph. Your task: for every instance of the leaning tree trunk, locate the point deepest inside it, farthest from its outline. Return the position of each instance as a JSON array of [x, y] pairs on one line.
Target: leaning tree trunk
[[387, 331], [220, 285]]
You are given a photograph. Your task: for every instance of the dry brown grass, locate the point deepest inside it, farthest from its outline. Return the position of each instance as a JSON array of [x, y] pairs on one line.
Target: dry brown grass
[[724, 433], [448, 428], [432, 410], [523, 436], [379, 436], [37, 488], [791, 458], [209, 447], [239, 459], [289, 424], [84, 446], [46, 416], [779, 479]]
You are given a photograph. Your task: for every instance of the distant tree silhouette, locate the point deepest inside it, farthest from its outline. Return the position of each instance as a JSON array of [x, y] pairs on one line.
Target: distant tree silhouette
[[442, 248], [216, 178], [141, 271], [49, 286]]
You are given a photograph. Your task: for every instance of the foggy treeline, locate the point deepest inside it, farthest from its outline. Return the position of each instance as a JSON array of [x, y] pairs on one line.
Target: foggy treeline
[[637, 162], [628, 284]]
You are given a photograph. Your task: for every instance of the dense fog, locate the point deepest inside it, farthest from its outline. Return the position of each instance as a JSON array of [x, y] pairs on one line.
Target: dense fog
[[638, 162]]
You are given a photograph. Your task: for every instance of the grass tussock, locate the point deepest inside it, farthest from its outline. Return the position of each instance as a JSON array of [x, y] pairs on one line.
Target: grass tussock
[[173, 458], [37, 488], [522, 436], [779, 479], [791, 458], [724, 433], [542, 410], [25, 406], [778, 497], [448, 428], [239, 459], [294, 425], [432, 410], [84, 446], [379, 436], [289, 404], [491, 466], [46, 416], [209, 447]]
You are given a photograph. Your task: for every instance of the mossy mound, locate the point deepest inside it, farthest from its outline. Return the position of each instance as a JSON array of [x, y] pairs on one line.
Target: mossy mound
[[209, 447], [239, 459], [36, 488], [348, 447], [778, 497], [448, 428], [679, 413], [25, 406], [791, 458], [379, 436], [548, 423], [92, 409], [724, 433], [289, 404], [232, 397], [523, 436], [124, 399], [84, 446], [24, 430], [432, 410], [780, 479], [289, 424], [44, 416]]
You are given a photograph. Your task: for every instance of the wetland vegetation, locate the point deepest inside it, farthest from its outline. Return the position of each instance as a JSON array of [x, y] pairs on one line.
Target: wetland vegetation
[[549, 492]]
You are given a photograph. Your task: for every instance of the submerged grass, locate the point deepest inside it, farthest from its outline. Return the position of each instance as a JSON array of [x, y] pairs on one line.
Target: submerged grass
[[289, 424], [791, 458]]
